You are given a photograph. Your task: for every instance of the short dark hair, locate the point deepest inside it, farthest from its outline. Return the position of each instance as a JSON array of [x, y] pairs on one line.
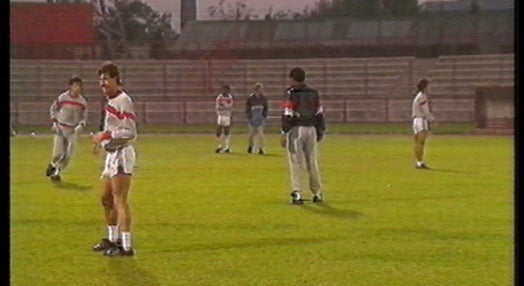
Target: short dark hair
[[75, 79], [110, 68], [297, 74], [225, 86], [422, 84]]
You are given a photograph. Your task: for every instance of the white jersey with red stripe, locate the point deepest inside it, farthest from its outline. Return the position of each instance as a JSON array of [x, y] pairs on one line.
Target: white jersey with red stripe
[[120, 120], [69, 111], [224, 104], [420, 107]]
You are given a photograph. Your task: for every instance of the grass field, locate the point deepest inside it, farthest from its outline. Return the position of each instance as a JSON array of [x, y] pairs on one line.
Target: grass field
[[224, 219]]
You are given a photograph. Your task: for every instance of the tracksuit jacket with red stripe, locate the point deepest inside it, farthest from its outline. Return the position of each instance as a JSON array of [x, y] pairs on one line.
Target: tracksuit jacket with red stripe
[[302, 107], [68, 112]]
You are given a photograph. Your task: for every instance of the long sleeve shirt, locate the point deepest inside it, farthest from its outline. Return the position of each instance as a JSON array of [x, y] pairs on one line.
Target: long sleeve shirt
[[68, 112], [224, 104], [302, 107], [420, 107], [256, 109], [119, 121]]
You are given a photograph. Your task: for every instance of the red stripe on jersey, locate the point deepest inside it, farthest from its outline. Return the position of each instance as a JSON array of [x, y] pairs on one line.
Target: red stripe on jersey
[[423, 102], [224, 101], [75, 103], [288, 104], [120, 115]]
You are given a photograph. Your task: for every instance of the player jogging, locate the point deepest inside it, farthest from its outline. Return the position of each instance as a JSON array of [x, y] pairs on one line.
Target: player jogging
[[69, 115], [224, 107], [422, 117], [116, 138]]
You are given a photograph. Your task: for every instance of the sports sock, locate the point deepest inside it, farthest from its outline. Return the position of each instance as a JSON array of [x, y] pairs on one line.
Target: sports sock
[[220, 141], [126, 240], [112, 233], [419, 163], [227, 141]]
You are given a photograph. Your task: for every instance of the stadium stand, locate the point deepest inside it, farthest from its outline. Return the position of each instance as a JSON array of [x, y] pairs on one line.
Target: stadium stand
[[353, 89], [365, 69]]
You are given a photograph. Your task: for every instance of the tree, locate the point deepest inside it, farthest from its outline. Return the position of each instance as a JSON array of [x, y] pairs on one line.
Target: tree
[[227, 10], [400, 7], [363, 8], [136, 21], [120, 22], [125, 21]]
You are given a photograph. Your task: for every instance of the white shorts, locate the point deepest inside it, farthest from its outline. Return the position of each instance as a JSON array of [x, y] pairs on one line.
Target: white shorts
[[224, 120], [420, 124], [121, 161]]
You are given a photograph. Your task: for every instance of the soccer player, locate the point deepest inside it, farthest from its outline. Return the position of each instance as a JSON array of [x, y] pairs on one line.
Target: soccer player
[[302, 127], [422, 117], [116, 139], [68, 115], [224, 107], [256, 111]]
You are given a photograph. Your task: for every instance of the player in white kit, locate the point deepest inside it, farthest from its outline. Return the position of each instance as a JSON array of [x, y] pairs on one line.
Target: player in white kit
[[224, 103], [422, 118], [116, 138]]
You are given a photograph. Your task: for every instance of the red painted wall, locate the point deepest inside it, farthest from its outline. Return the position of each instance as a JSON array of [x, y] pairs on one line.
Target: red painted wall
[[41, 24]]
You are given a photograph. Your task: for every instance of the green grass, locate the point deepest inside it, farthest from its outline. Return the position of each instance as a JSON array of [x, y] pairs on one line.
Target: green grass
[[335, 128], [223, 219]]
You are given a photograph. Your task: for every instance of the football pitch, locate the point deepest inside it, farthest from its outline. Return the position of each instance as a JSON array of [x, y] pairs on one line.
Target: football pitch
[[201, 218]]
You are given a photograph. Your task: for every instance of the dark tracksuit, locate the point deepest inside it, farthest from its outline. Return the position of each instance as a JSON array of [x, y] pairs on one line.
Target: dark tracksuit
[[303, 124], [256, 112]]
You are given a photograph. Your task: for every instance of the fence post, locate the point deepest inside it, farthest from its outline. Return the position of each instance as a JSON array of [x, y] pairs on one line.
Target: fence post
[[184, 112], [165, 80], [387, 109], [366, 77]]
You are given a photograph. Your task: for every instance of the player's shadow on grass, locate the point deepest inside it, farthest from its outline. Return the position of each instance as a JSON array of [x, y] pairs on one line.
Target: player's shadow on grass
[[72, 186], [450, 171], [126, 272], [270, 155], [260, 243], [247, 154], [326, 209]]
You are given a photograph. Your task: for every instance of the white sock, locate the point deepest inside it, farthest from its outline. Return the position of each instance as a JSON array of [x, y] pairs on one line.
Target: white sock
[[227, 140], [112, 233], [419, 163], [126, 240], [220, 140]]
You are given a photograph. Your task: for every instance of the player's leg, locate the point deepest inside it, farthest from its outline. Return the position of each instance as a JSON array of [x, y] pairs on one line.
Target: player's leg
[[420, 128], [310, 156], [420, 142], [250, 140], [69, 149], [218, 133], [226, 122], [110, 216], [120, 186], [227, 138], [295, 157], [259, 139], [59, 148]]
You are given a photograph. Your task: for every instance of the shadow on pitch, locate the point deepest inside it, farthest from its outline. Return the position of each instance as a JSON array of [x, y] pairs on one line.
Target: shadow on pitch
[[71, 186], [450, 171], [328, 210], [270, 155], [260, 243], [247, 154], [126, 272]]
